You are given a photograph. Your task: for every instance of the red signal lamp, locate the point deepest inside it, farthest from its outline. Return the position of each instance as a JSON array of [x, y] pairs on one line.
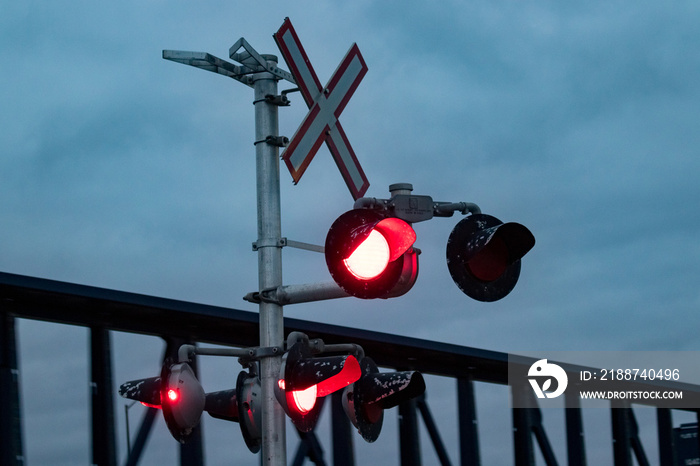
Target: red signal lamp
[[173, 395], [304, 400], [306, 380], [370, 255], [484, 256]]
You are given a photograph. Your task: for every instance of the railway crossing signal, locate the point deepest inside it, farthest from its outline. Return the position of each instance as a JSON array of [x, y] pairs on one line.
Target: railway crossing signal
[[364, 401], [305, 380], [483, 256], [178, 393], [369, 252]]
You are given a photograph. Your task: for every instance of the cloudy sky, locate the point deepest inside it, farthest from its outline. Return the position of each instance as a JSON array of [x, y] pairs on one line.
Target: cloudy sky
[[121, 170]]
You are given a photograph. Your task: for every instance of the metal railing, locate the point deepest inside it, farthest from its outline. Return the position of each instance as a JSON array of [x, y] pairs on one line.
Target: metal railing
[[102, 310]]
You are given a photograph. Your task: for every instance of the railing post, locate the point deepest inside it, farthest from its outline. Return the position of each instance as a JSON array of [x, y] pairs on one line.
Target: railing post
[[468, 426], [575, 447], [104, 449], [664, 425], [524, 448], [409, 440], [697, 420], [10, 418], [622, 433], [343, 449]]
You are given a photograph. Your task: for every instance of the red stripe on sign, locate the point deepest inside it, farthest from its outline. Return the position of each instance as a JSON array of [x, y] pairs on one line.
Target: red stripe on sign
[[357, 182]]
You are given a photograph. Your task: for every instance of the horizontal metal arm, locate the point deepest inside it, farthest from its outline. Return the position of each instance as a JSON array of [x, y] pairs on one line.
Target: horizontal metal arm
[[317, 346], [446, 209], [371, 203], [209, 62], [302, 245], [404, 205], [295, 294], [351, 348], [186, 352]]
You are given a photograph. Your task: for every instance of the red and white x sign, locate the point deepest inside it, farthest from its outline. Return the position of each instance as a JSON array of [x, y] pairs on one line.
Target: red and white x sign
[[325, 106]]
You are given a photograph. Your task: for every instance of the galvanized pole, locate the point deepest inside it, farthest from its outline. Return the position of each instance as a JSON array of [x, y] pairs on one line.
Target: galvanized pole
[[269, 246]]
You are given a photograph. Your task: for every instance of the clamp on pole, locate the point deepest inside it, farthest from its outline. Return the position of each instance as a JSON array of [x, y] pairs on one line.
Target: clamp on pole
[[277, 141]]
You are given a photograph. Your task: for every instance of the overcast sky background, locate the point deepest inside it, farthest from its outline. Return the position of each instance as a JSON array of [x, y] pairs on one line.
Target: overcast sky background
[[121, 170]]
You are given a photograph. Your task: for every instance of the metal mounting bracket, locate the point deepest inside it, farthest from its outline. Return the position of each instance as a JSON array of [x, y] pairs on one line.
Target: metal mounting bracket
[[256, 62], [255, 353]]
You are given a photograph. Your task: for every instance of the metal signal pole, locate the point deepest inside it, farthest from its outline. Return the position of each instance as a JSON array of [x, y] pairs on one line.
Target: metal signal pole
[[262, 74], [269, 247]]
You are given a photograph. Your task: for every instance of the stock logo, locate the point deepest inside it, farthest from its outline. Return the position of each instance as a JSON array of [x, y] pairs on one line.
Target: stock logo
[[542, 370]]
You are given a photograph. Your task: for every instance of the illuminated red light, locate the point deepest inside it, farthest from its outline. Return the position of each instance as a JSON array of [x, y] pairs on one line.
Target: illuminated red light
[[304, 400], [390, 238], [173, 395], [370, 255], [370, 258]]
